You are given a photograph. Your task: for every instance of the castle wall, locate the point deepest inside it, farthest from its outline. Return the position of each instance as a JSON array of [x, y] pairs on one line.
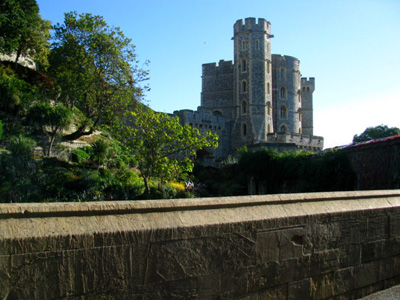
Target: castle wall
[[287, 93], [205, 120], [341, 245], [217, 88]]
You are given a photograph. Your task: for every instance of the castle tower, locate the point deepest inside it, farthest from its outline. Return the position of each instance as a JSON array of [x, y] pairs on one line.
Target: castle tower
[[288, 111], [252, 78], [307, 89]]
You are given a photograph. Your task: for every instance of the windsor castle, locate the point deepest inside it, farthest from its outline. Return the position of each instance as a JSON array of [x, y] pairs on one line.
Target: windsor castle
[[260, 100]]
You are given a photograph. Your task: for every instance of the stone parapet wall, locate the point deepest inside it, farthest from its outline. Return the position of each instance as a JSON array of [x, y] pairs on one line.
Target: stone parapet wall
[[307, 141], [341, 245]]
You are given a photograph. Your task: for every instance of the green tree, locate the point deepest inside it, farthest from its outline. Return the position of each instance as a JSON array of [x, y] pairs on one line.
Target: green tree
[[96, 67], [23, 32], [376, 132], [51, 120], [100, 152], [163, 148]]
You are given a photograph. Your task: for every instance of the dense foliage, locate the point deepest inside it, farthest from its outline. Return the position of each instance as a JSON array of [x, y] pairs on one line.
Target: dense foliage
[[96, 68], [89, 94], [270, 172], [23, 32], [376, 132]]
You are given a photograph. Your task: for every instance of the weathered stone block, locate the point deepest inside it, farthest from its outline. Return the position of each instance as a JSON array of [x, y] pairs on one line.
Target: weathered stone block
[[5, 276], [350, 255], [299, 290], [325, 262], [366, 274], [322, 287], [343, 281], [279, 245], [275, 293], [378, 226]]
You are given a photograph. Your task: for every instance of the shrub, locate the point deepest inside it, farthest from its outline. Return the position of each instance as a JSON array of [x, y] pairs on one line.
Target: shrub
[[79, 156], [21, 146]]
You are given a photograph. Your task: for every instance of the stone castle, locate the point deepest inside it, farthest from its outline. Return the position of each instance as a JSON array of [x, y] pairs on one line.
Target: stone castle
[[259, 100]]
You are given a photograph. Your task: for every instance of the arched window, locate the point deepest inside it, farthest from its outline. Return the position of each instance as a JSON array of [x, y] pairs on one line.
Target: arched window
[[244, 65], [244, 86], [269, 128], [217, 113], [282, 73], [244, 129], [268, 108], [268, 66], [283, 93], [283, 128], [244, 107], [268, 88], [283, 112]]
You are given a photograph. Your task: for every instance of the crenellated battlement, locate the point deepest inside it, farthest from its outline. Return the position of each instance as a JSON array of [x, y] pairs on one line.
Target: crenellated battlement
[[308, 83], [251, 24], [284, 57], [212, 69]]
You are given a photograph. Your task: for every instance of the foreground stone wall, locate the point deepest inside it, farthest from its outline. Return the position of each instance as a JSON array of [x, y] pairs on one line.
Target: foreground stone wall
[[292, 246]]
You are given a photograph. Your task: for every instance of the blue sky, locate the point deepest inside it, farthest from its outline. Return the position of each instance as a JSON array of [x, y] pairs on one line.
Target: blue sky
[[351, 47]]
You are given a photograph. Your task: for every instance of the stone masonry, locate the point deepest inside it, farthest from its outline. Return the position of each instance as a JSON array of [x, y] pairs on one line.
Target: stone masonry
[[258, 95], [342, 245]]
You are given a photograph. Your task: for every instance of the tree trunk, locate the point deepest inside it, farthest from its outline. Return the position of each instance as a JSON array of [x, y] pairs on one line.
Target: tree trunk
[[52, 138], [78, 133], [147, 187]]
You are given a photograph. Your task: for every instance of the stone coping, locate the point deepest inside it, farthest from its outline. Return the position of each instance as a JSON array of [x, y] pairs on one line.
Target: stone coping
[[32, 210]]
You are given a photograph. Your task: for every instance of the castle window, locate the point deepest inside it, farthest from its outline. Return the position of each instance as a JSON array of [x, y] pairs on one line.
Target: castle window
[[268, 67], [244, 45], [269, 128], [283, 73], [217, 113], [300, 114], [244, 65], [283, 112], [244, 86], [283, 129], [244, 107], [268, 88], [283, 93], [244, 129], [269, 108], [257, 44]]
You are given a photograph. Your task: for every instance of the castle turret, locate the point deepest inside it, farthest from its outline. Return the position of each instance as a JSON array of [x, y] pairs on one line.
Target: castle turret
[[252, 82], [287, 94], [217, 88], [307, 90]]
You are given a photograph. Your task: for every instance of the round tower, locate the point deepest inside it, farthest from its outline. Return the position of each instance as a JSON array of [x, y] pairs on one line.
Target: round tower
[[252, 99], [287, 94]]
